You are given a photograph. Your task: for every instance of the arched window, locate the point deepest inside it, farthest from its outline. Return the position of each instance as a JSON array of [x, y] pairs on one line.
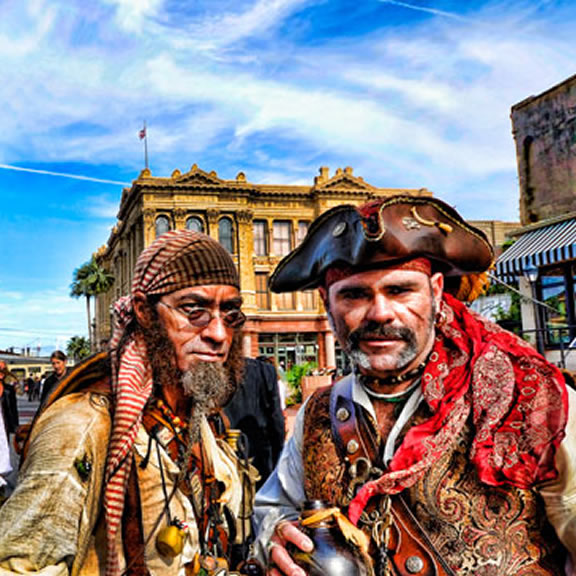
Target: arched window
[[162, 225], [226, 234], [195, 224]]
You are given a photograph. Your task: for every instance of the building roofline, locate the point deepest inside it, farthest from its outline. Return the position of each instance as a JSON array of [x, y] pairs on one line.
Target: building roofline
[[542, 224], [532, 98]]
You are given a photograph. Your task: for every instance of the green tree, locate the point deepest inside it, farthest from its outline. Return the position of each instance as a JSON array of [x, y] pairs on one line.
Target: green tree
[[78, 347], [294, 378], [510, 319], [89, 280]]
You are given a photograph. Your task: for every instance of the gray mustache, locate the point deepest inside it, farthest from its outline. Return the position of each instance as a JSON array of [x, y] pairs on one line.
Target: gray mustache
[[380, 330]]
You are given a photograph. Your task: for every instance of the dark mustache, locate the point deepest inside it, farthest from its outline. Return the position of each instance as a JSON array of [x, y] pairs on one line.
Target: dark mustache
[[380, 330]]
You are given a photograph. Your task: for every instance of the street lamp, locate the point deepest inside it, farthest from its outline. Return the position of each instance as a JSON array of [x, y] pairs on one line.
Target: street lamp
[[531, 274]]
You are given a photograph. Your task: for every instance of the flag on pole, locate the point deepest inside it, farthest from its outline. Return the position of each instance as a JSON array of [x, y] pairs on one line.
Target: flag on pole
[[143, 136]]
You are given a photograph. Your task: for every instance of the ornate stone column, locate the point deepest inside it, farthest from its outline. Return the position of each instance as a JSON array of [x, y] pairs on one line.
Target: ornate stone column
[[247, 345], [244, 219], [179, 218], [212, 215], [149, 215]]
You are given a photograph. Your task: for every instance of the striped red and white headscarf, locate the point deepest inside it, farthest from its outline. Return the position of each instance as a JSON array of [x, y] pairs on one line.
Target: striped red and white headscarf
[[178, 259]]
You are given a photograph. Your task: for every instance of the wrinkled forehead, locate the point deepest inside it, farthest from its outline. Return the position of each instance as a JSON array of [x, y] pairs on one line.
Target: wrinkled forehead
[[340, 272], [370, 282]]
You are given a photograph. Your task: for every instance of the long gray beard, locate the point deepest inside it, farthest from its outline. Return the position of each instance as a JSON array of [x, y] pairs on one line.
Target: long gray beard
[[209, 387]]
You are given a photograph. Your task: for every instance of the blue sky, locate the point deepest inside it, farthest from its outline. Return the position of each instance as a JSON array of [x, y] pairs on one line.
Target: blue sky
[[410, 94]]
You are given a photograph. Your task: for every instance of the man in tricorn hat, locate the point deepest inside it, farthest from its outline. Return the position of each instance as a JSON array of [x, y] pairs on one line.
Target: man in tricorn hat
[[449, 445], [127, 469]]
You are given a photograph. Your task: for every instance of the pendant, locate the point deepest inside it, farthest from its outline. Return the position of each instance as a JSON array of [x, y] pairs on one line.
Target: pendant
[[208, 565], [170, 541]]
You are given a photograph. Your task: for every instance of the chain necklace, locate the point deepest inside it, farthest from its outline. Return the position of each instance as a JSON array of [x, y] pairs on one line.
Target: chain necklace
[[366, 382]]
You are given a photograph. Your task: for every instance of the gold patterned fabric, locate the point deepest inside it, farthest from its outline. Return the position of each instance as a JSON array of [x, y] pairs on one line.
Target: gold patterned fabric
[[479, 530]]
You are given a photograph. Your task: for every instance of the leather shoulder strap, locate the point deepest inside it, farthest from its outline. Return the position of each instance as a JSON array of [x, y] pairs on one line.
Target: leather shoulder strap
[[351, 433], [410, 543]]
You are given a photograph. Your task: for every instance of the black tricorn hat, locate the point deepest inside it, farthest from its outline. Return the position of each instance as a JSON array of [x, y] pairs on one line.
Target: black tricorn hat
[[381, 232]]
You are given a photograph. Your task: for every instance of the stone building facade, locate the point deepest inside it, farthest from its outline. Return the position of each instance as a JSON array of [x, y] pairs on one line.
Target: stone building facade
[[259, 224], [543, 256], [544, 128]]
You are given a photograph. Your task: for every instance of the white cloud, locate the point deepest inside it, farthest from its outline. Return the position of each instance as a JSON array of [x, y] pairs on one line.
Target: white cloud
[[44, 318], [434, 104], [221, 30], [425, 105], [132, 15]]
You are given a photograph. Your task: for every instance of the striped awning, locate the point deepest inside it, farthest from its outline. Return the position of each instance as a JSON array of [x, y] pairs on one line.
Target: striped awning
[[541, 247]]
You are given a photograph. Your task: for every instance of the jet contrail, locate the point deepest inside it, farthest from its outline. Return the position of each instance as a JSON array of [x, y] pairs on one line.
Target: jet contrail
[[422, 9], [63, 175]]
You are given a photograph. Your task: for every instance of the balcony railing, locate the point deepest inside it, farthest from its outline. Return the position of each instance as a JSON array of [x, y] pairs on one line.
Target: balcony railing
[[559, 339]]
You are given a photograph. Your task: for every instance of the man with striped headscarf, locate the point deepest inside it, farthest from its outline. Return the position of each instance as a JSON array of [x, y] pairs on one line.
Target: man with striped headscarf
[[126, 470]]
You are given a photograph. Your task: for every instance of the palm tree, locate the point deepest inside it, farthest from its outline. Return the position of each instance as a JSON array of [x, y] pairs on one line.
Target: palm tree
[[89, 280], [78, 347]]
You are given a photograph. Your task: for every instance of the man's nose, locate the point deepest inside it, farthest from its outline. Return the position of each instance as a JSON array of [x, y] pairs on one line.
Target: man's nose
[[380, 309], [216, 330]]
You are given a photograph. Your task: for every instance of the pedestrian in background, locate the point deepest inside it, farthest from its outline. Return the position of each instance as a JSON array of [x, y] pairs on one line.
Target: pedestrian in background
[[58, 360], [8, 401]]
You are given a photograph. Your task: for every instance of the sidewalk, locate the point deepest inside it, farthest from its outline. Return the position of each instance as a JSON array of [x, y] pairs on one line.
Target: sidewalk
[[289, 416]]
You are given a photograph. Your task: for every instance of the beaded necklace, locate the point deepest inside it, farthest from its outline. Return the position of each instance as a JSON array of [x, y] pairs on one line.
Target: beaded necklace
[[195, 480]]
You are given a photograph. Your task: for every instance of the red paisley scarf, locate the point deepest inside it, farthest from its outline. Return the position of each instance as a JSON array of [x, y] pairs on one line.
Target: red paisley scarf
[[480, 373]]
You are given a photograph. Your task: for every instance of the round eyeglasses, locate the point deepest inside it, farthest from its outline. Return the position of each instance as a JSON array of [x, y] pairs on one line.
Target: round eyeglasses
[[200, 317]]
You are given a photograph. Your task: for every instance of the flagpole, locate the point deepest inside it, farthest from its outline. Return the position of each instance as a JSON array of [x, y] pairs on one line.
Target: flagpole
[[145, 146]]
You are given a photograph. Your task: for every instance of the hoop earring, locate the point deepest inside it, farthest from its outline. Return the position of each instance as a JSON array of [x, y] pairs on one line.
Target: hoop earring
[[441, 318]]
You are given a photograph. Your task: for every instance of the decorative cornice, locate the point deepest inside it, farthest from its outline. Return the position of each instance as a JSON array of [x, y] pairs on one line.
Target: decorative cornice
[[245, 216], [342, 180]]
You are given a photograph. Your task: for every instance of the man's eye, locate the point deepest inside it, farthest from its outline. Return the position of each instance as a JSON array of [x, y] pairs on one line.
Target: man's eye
[[191, 309], [353, 294], [396, 290]]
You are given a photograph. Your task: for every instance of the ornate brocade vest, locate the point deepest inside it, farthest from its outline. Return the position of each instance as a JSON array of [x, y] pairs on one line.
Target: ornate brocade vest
[[479, 530]]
